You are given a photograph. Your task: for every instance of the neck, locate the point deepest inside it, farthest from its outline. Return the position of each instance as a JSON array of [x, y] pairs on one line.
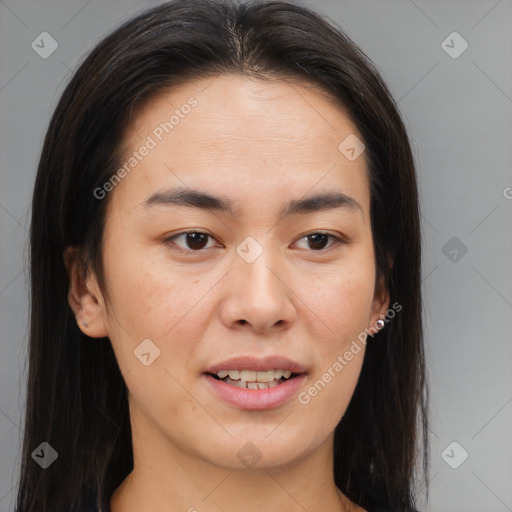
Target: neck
[[167, 479]]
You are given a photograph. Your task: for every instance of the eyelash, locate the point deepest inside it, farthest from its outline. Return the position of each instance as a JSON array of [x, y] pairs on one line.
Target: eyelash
[[170, 240]]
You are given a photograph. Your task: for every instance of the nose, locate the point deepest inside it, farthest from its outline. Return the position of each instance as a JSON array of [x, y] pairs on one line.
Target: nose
[[258, 296]]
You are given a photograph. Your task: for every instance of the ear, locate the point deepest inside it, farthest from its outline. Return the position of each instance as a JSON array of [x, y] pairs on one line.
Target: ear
[[381, 301], [84, 296]]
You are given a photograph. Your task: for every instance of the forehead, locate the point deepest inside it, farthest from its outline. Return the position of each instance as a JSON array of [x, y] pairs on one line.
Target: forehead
[[245, 136]]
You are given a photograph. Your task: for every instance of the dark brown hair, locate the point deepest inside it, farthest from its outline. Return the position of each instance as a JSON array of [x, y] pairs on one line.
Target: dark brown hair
[[76, 398]]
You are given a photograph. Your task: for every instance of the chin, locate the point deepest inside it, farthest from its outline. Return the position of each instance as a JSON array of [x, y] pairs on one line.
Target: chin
[[251, 452]]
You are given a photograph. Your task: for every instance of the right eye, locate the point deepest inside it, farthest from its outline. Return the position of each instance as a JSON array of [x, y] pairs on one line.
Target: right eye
[[195, 241]]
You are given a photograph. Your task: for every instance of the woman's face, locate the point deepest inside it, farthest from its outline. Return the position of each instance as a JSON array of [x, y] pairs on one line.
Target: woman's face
[[263, 277]]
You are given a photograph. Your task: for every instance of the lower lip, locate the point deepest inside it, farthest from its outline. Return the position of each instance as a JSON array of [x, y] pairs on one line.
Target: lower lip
[[255, 399]]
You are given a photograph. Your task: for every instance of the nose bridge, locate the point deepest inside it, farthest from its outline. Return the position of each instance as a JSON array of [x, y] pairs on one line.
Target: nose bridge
[[259, 266], [258, 295]]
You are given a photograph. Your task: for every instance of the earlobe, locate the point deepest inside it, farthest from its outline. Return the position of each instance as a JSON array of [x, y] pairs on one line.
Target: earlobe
[[88, 309]]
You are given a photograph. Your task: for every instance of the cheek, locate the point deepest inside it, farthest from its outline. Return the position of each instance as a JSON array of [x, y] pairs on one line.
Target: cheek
[[341, 306], [152, 298], [326, 397], [162, 305], [338, 303], [338, 309]]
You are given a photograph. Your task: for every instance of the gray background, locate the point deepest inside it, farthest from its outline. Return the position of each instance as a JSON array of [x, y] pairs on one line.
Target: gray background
[[458, 112]]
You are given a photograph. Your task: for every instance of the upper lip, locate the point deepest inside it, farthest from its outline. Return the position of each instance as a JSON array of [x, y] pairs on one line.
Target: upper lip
[[257, 364]]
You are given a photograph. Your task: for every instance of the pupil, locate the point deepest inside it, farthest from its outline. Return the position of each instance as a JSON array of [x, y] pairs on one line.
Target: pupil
[[196, 238], [316, 239]]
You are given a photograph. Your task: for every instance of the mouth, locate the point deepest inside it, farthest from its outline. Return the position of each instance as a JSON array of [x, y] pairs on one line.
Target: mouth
[[252, 379], [256, 384]]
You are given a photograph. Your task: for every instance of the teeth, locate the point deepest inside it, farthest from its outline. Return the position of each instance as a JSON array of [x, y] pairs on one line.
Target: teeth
[[266, 376], [252, 385], [252, 376], [248, 375]]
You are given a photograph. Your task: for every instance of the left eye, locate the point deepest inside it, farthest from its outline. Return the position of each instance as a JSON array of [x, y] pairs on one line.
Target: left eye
[[319, 240], [197, 241]]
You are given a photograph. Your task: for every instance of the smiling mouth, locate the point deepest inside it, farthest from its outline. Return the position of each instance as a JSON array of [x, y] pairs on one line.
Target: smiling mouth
[[248, 379]]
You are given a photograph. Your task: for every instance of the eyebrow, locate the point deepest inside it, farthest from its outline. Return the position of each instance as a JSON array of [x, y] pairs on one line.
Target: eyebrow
[[184, 196]]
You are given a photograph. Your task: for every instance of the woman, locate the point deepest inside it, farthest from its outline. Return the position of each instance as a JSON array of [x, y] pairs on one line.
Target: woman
[[226, 199]]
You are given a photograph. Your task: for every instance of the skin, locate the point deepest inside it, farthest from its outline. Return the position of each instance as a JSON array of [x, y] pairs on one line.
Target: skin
[[260, 144]]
